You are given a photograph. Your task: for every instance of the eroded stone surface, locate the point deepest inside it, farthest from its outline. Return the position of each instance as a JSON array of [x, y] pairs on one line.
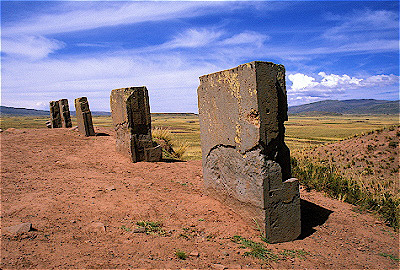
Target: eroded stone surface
[[55, 117], [59, 114], [130, 110], [84, 116], [64, 113], [245, 160]]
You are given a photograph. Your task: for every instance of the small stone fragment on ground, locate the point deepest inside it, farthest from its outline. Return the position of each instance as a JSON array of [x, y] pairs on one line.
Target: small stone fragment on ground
[[139, 230], [194, 254], [96, 227], [110, 188], [218, 266], [20, 228], [74, 128]]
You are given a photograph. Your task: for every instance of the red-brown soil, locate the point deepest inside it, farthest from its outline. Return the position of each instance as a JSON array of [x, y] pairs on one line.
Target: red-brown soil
[[64, 183]]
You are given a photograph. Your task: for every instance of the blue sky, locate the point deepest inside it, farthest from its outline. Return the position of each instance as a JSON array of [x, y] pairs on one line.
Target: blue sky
[[68, 49]]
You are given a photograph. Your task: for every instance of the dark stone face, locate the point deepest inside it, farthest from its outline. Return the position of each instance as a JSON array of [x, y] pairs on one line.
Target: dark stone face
[[130, 110], [84, 116], [55, 115], [65, 114], [245, 160]]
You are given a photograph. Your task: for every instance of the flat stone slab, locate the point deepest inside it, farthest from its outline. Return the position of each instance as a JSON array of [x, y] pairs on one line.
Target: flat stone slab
[[19, 228]]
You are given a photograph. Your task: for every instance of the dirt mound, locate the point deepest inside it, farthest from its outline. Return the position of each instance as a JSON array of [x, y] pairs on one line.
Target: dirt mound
[[371, 159], [85, 202]]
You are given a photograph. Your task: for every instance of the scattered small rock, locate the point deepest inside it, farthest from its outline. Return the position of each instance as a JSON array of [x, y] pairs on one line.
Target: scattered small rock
[[74, 128], [139, 230], [110, 188], [1, 130], [96, 227], [48, 124], [218, 266], [194, 254], [20, 228]]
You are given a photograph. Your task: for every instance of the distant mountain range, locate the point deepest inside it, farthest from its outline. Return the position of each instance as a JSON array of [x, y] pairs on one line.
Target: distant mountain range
[[351, 106], [11, 111], [325, 107]]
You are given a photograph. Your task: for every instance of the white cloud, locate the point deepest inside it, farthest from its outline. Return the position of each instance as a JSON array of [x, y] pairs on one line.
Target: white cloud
[[247, 37], [41, 105], [301, 81], [307, 88], [334, 80], [193, 38], [34, 47], [172, 80], [88, 16], [373, 21], [381, 80]]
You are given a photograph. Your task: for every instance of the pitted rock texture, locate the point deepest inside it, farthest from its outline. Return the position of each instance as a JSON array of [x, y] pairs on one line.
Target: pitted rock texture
[[84, 116], [55, 117], [245, 160], [65, 114], [59, 114], [130, 110]]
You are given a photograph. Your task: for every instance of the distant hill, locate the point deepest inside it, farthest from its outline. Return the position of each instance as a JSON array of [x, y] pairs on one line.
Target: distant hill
[[11, 111], [22, 111], [351, 106]]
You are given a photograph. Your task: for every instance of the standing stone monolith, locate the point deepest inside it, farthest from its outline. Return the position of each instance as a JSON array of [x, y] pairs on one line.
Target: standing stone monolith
[[64, 113], [84, 116], [55, 116], [246, 163], [130, 111]]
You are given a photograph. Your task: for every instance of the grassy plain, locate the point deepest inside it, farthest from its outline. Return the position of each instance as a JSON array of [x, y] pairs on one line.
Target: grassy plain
[[301, 131]]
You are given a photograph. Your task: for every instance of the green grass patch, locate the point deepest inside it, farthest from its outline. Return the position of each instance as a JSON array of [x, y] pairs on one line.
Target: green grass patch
[[256, 250], [151, 227], [260, 251], [325, 177], [181, 254], [390, 256]]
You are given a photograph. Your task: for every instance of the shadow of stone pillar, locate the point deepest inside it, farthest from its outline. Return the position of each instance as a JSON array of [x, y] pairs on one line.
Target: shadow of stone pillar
[[246, 162], [130, 111]]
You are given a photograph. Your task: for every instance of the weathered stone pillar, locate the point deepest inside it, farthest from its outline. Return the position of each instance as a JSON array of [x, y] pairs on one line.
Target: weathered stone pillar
[[55, 116], [246, 163], [130, 110], [65, 114], [84, 116]]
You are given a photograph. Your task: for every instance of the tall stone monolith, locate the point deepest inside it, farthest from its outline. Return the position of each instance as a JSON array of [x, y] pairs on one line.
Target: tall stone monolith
[[84, 116], [246, 163], [130, 111], [64, 113], [55, 116]]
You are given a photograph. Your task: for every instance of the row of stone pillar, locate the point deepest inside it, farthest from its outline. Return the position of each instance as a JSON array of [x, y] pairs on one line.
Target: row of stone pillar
[[246, 163], [60, 116]]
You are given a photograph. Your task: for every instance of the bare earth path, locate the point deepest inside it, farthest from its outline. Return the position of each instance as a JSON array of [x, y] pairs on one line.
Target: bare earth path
[[66, 184]]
